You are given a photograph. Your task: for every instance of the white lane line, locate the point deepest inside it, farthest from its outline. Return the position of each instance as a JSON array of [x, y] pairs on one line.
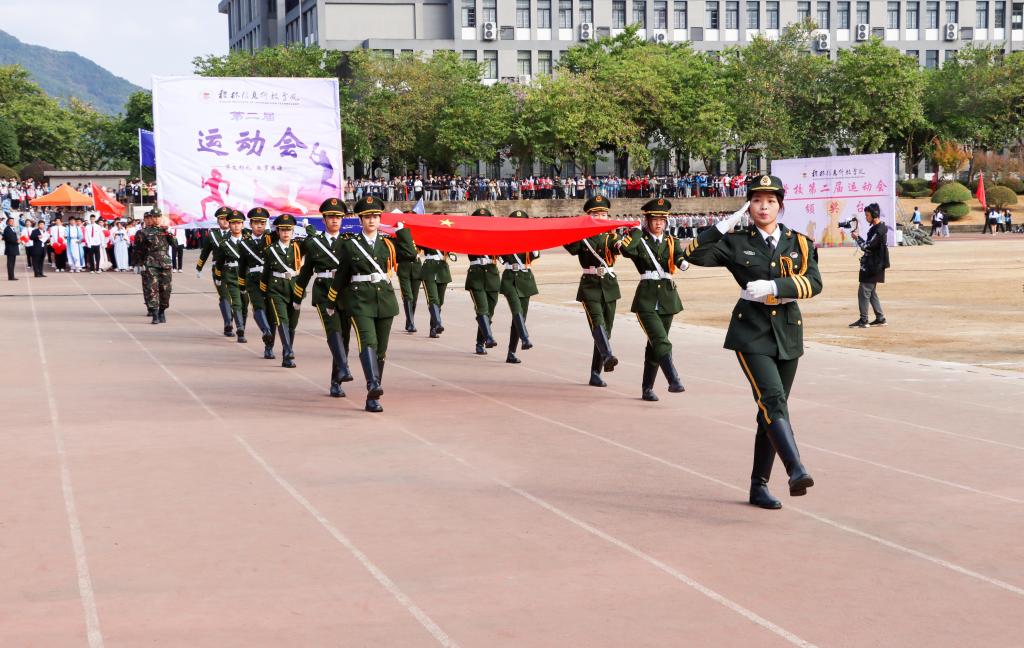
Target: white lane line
[[435, 631], [85, 591], [746, 613], [665, 462]]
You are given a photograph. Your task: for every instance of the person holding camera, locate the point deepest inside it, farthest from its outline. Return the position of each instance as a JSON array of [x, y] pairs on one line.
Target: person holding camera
[[872, 267]]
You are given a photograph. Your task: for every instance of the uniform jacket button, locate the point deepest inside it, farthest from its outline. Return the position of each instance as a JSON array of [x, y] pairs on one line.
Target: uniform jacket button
[[773, 313], [773, 264]]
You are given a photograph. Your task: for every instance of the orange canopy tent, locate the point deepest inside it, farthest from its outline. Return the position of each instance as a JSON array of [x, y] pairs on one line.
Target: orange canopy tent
[[63, 196]]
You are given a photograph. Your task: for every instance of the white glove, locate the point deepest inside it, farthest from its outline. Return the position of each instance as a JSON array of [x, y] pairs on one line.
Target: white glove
[[330, 312], [199, 274], [683, 265], [726, 225], [399, 226], [761, 288], [297, 305]]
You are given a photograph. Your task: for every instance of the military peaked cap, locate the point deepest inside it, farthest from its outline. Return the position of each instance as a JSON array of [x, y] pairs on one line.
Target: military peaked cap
[[284, 220], [656, 207], [258, 213], [334, 207], [765, 183], [369, 205], [597, 204]]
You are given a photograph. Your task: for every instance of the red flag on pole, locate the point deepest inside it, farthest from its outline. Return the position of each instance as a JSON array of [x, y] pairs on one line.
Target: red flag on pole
[[981, 190], [105, 205]]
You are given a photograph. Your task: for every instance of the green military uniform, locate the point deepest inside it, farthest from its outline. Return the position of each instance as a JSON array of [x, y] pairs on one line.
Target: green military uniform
[[656, 301], [232, 274], [281, 265], [517, 285], [410, 273], [362, 287], [482, 282], [599, 289], [436, 275], [153, 246], [250, 271], [766, 332], [323, 254], [211, 246]]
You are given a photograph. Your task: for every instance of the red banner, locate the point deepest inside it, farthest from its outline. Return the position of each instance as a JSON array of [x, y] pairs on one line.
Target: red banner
[[105, 205], [493, 236], [981, 191]]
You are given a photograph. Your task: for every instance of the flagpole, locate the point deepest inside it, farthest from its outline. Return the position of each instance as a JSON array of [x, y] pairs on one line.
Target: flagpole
[[139, 135]]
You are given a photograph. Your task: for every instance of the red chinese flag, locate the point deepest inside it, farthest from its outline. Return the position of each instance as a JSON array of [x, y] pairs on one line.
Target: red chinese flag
[[494, 236], [981, 191], [105, 205]]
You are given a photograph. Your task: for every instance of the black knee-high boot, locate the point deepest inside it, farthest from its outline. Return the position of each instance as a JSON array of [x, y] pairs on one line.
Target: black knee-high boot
[[483, 322], [519, 322], [287, 355], [410, 311], [650, 373], [764, 457], [260, 317], [339, 364], [604, 347], [436, 326], [239, 326], [225, 313], [513, 343], [596, 365], [669, 369], [780, 433], [371, 369]]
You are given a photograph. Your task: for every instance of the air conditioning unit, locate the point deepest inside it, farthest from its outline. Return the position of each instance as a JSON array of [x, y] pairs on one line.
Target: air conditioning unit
[[951, 31], [659, 37], [490, 31], [863, 32], [586, 31], [524, 79], [823, 41]]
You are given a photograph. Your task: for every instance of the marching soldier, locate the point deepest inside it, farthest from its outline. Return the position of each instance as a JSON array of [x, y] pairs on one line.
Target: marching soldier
[[436, 275], [322, 258], [250, 272], [281, 264], [518, 285], [410, 273], [656, 256], [232, 270], [362, 287], [153, 248], [483, 283], [139, 261], [599, 288], [774, 267], [211, 245]]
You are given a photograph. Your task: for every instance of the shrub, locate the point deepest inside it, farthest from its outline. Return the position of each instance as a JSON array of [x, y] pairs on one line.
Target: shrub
[[34, 170], [915, 184], [7, 172], [1000, 197], [955, 210], [951, 192], [1013, 184], [923, 193]]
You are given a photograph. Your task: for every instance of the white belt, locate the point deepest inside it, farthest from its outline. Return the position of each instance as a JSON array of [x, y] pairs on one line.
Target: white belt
[[373, 277], [657, 276], [283, 275], [481, 262], [517, 267], [600, 272], [256, 269], [325, 275], [433, 257], [763, 300], [231, 264]]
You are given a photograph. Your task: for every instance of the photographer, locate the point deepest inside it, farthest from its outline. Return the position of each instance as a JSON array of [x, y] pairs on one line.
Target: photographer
[[872, 267]]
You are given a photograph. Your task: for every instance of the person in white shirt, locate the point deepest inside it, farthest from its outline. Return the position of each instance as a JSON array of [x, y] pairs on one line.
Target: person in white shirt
[[120, 239], [94, 239], [59, 242]]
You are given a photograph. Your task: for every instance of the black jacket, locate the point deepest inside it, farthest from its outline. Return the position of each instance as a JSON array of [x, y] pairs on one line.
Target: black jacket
[[876, 254], [10, 241], [38, 246]]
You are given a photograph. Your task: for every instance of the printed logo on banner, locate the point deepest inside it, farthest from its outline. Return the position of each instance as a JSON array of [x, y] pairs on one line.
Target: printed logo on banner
[[244, 143]]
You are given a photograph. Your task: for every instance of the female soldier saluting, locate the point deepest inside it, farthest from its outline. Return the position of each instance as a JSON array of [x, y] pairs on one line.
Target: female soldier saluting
[[774, 267]]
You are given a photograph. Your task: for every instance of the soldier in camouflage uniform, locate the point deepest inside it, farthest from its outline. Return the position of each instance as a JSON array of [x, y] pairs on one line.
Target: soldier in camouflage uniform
[[518, 285], [250, 271], [211, 245], [153, 245], [138, 260]]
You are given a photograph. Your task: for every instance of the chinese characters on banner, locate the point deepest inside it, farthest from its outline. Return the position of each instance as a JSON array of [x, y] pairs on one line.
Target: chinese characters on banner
[[244, 143], [822, 192]]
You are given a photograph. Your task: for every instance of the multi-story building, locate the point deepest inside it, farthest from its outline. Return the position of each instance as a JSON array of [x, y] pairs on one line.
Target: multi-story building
[[518, 39]]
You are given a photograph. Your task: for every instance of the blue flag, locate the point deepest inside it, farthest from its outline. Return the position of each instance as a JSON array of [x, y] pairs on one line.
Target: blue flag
[[420, 208], [147, 149]]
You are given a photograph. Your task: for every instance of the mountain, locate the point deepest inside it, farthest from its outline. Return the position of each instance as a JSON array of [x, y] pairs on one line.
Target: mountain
[[66, 74]]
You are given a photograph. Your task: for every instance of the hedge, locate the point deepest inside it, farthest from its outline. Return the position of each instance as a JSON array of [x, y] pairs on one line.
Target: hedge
[[1000, 196], [951, 192], [955, 210], [1013, 184]]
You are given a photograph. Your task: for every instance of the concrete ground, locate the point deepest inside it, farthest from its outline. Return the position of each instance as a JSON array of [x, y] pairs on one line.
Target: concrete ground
[[163, 485]]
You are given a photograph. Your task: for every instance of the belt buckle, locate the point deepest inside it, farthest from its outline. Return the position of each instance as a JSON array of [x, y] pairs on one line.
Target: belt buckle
[[601, 271], [771, 300]]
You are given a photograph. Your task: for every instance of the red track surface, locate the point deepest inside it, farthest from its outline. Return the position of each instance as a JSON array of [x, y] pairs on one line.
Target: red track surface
[[162, 485]]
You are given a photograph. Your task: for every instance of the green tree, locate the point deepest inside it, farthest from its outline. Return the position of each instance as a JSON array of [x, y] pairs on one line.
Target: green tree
[[1000, 197], [96, 143], [10, 152], [43, 129]]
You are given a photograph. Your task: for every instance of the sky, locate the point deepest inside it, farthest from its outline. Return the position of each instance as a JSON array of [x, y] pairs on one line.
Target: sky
[[134, 39]]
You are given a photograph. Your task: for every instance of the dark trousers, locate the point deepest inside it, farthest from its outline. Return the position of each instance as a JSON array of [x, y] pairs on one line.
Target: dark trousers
[[60, 260], [177, 255], [92, 257], [11, 259], [37, 264], [771, 380], [656, 326]]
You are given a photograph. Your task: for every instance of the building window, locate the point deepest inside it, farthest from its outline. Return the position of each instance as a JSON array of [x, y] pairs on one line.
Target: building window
[[490, 9], [893, 15], [523, 65], [491, 64], [640, 13], [843, 15], [469, 55], [661, 14], [931, 17], [1016, 15], [771, 15], [544, 63], [523, 13], [863, 13], [824, 15], [587, 11], [931, 59], [469, 13], [1000, 16], [680, 19], [913, 15], [618, 14], [753, 15], [981, 17], [732, 15], [914, 54], [803, 11], [544, 14], [565, 14], [711, 14], [952, 12]]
